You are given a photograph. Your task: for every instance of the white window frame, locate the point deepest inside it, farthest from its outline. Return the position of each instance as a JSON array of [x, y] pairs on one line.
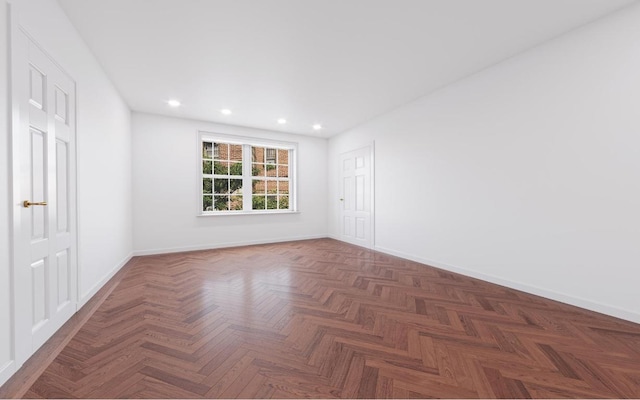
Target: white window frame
[[247, 178]]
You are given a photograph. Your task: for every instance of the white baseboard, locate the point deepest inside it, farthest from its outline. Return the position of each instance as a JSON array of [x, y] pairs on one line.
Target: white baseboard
[[342, 239], [213, 246], [6, 371], [549, 294], [94, 289]]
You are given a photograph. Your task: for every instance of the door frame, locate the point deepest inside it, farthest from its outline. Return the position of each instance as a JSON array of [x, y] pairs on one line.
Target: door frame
[[20, 352], [372, 152]]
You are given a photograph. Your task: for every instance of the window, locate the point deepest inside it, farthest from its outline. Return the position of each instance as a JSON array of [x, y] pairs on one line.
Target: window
[[270, 178], [222, 177], [242, 176]]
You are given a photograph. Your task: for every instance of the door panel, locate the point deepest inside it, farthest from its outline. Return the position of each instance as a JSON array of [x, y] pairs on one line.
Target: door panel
[[36, 87], [62, 259], [38, 161], [38, 289], [346, 225], [62, 189], [356, 210], [347, 192], [360, 193], [62, 104], [360, 228]]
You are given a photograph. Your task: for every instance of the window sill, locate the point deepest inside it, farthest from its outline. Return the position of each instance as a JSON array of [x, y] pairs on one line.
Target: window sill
[[228, 214]]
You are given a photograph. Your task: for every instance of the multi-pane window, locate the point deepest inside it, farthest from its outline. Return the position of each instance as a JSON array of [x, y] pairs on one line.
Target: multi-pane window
[[221, 177], [244, 177], [270, 183]]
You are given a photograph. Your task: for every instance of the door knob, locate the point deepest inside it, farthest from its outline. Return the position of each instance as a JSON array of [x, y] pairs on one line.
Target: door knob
[[341, 199], [28, 204]]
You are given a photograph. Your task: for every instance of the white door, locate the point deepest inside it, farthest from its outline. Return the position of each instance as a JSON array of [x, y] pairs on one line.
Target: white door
[[356, 206], [45, 257]]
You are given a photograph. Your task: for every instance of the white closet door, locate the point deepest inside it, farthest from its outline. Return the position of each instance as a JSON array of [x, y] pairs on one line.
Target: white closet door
[[355, 200], [44, 169]]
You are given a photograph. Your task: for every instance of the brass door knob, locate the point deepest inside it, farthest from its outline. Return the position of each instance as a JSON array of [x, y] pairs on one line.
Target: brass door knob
[[28, 204]]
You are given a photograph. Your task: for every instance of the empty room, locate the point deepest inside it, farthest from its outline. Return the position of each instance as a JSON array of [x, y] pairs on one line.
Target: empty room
[[319, 199]]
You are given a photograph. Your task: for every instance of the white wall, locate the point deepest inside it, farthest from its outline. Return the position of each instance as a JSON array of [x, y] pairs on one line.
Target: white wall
[[104, 153], [5, 307], [166, 186], [526, 174]]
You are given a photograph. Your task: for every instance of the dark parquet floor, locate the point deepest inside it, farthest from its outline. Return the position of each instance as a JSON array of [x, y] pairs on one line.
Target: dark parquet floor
[[321, 318]]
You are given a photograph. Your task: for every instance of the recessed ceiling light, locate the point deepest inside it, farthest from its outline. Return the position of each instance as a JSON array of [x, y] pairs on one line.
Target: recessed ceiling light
[[282, 121], [174, 103], [317, 127], [226, 111]]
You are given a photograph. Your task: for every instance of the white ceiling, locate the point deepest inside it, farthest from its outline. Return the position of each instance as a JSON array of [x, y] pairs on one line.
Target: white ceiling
[[334, 62]]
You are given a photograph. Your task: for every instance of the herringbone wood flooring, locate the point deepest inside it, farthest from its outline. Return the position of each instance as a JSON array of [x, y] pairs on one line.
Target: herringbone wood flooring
[[321, 318]]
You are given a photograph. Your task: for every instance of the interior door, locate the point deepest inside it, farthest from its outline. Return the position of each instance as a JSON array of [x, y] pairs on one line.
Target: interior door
[[356, 224], [45, 255]]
